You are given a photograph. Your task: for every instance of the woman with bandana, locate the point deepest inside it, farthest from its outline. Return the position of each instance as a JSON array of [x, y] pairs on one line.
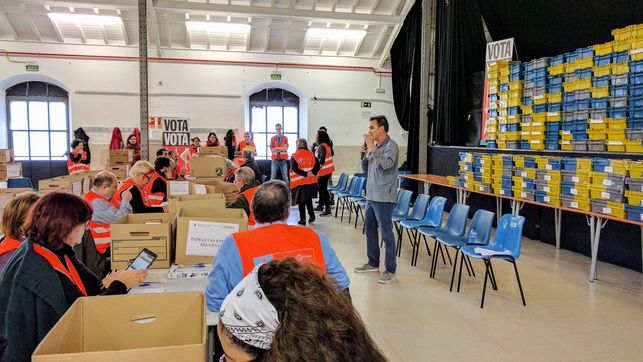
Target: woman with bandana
[[288, 311]]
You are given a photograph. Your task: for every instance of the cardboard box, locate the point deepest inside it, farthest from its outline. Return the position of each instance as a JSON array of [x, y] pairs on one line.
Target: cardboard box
[[120, 157], [178, 188], [208, 184], [186, 215], [214, 151], [121, 171], [10, 170], [6, 155], [228, 189], [213, 166], [129, 328], [134, 232], [72, 184], [208, 201]]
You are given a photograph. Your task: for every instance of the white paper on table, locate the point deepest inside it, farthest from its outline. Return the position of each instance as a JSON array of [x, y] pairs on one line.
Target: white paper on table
[[179, 188], [146, 290], [154, 276], [486, 252], [205, 237], [200, 190]]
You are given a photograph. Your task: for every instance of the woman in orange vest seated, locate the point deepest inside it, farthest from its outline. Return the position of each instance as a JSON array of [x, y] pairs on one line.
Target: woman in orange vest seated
[[13, 219], [213, 140], [157, 187], [76, 157], [190, 152], [325, 158], [140, 177], [248, 144], [44, 277], [244, 180], [303, 182]]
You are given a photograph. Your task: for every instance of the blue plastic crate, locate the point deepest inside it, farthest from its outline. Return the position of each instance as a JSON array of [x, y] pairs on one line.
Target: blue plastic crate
[[554, 88], [555, 79], [636, 112], [493, 113], [566, 187], [636, 78], [567, 125], [585, 52], [492, 144], [557, 60], [515, 68], [529, 184], [477, 177], [636, 102], [536, 73], [583, 73], [571, 57], [634, 212], [504, 87], [527, 101], [569, 106], [554, 107], [493, 97], [635, 123], [569, 164], [540, 82], [617, 112], [541, 108], [580, 135], [512, 127], [620, 57], [552, 145], [524, 145], [618, 91], [514, 110], [599, 164], [636, 67], [602, 59], [569, 97], [515, 77], [552, 127], [636, 90], [582, 105], [601, 81], [598, 102], [530, 162], [507, 161]]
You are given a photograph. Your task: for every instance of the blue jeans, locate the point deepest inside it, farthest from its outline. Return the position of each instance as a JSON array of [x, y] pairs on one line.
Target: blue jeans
[[380, 214], [283, 166]]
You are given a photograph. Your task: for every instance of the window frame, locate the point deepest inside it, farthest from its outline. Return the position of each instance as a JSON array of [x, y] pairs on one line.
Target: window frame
[[273, 103]]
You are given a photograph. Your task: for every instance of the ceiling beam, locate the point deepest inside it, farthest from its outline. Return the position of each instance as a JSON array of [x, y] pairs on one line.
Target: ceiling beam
[[358, 46], [82, 33], [408, 4], [265, 45], [125, 37], [339, 46], [375, 5], [333, 6], [239, 10], [379, 41], [151, 11], [354, 5], [167, 29], [12, 30], [32, 23], [80, 4]]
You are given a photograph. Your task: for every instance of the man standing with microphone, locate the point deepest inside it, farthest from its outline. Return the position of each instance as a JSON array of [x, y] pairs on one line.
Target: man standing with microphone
[[380, 164]]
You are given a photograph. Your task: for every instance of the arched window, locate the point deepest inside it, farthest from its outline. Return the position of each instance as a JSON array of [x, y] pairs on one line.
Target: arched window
[[38, 121], [269, 107]]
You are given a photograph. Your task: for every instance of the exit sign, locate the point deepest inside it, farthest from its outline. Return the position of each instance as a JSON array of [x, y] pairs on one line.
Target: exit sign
[[32, 68], [275, 76], [366, 104]]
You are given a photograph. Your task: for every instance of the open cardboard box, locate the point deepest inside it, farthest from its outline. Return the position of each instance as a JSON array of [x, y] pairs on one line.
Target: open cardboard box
[[121, 156], [134, 232], [228, 189], [209, 201], [128, 328], [72, 184], [10, 170], [188, 214], [120, 170], [207, 166], [221, 151]]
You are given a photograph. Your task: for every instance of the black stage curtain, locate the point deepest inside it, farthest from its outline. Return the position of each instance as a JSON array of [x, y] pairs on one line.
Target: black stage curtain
[[406, 56], [460, 51], [553, 27]]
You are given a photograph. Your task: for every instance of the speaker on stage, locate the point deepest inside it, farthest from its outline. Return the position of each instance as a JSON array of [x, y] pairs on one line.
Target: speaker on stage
[[474, 126]]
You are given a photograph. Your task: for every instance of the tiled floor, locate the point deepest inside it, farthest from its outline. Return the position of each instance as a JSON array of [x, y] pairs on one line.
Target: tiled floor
[[567, 318]]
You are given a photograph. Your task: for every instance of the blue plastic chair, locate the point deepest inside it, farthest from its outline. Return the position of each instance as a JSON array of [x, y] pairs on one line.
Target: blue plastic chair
[[419, 210], [482, 223], [343, 192], [402, 206], [506, 243], [432, 218], [456, 223], [22, 182], [341, 183], [354, 198], [356, 190]]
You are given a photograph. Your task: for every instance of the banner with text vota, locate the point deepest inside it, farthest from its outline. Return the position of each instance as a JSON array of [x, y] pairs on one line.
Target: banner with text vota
[[176, 136], [496, 51]]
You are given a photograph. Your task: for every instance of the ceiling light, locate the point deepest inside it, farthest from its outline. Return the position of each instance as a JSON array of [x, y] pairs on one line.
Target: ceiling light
[[86, 19], [207, 17], [328, 24], [217, 27], [96, 11], [335, 33], [348, 25], [365, 26], [310, 23], [229, 18], [249, 19]]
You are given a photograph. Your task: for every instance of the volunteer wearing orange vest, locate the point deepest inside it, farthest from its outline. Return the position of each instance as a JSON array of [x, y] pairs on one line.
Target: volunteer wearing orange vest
[[244, 179], [76, 157], [271, 239], [303, 182], [157, 187], [105, 214], [44, 277], [140, 176], [13, 219], [325, 158], [247, 143], [279, 150], [190, 152]]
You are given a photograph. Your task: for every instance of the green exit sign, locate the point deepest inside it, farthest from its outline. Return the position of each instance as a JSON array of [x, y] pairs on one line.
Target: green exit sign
[[32, 68], [366, 104], [275, 76]]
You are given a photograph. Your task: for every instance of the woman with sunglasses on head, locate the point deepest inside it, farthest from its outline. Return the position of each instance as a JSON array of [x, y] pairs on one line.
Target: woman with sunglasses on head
[[44, 277], [140, 176]]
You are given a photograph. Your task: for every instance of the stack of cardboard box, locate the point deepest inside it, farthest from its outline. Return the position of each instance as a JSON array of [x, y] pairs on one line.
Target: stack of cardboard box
[[119, 162], [208, 173], [221, 151], [9, 169], [76, 184]]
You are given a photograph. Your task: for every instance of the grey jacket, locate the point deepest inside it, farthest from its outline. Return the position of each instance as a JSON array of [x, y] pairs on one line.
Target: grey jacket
[[381, 168]]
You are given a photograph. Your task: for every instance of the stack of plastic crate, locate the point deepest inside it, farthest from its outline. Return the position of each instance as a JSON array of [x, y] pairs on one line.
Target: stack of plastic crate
[[482, 172], [607, 187], [535, 87], [574, 182], [524, 179], [556, 71], [501, 173], [634, 192], [465, 170], [634, 132], [508, 110], [493, 78], [548, 177], [575, 98]]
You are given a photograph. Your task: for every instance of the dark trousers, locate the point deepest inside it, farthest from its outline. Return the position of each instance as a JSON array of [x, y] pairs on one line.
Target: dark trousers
[[308, 204], [96, 262], [324, 195]]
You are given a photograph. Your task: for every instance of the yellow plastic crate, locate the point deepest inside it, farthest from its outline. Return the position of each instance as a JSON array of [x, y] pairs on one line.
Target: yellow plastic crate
[[600, 92], [586, 83], [636, 55], [634, 197], [541, 161], [556, 69], [570, 67], [538, 100], [552, 200], [603, 70], [504, 79], [613, 208], [598, 126], [452, 180], [636, 43], [515, 93], [596, 192], [493, 89], [554, 97], [492, 74], [582, 178], [536, 146], [616, 123], [595, 135], [538, 128], [620, 68], [514, 102], [603, 49], [634, 146], [584, 164], [553, 117], [504, 71], [539, 118], [503, 95], [616, 135], [570, 86], [566, 136], [527, 109], [584, 63], [621, 46], [503, 112], [635, 168], [512, 136], [565, 145], [616, 147], [515, 85], [519, 161], [628, 32]]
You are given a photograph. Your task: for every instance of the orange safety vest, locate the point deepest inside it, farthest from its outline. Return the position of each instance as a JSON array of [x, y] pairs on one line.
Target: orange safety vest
[[116, 200], [8, 245], [239, 160], [101, 233], [77, 167], [249, 194], [276, 242], [193, 152], [283, 143], [328, 167], [156, 198], [306, 161], [70, 271]]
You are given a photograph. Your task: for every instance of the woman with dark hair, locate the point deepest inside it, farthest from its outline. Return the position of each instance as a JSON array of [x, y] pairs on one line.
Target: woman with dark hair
[[157, 187], [213, 140], [290, 311], [44, 277], [133, 144], [75, 158], [190, 152], [303, 180], [325, 158], [13, 222]]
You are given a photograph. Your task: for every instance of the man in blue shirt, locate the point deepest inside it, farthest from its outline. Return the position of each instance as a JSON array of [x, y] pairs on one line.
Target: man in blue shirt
[[271, 239]]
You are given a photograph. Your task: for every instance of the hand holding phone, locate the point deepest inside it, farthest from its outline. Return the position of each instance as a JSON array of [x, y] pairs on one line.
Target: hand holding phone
[[143, 260]]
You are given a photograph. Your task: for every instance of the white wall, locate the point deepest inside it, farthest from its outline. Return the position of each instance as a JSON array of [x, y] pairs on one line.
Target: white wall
[[104, 93]]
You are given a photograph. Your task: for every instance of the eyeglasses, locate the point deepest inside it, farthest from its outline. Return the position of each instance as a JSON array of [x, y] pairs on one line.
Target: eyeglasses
[[147, 176]]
